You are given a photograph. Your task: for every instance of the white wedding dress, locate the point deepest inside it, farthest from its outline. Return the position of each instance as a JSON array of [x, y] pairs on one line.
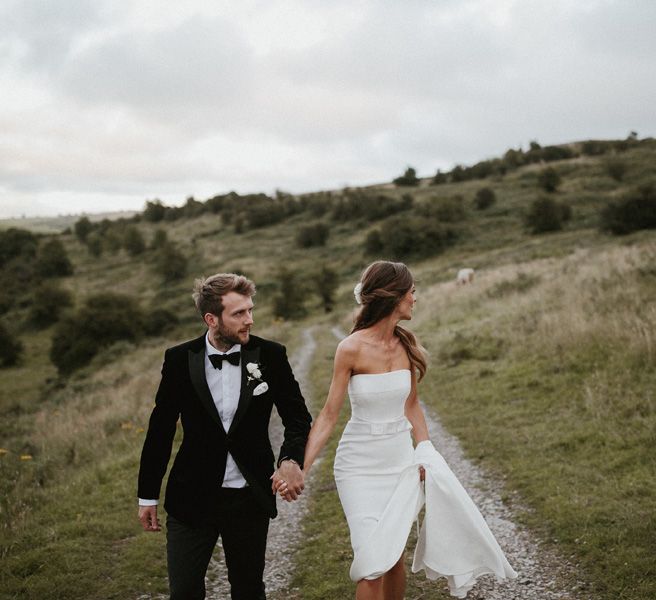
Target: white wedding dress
[[377, 476]]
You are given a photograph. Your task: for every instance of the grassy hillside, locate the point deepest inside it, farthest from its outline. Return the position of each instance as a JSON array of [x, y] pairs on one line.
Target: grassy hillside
[[544, 367]]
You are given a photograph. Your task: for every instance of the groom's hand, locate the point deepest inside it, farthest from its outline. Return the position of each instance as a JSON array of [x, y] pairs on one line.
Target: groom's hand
[[288, 480], [148, 518]]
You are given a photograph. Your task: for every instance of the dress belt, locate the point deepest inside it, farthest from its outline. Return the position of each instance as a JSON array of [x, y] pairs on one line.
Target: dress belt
[[382, 428]]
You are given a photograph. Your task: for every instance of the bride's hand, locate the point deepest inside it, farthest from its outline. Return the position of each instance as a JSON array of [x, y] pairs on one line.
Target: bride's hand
[[422, 474]]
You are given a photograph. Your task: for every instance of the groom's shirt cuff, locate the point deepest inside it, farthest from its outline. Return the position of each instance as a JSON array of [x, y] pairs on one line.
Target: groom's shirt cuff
[[145, 502]]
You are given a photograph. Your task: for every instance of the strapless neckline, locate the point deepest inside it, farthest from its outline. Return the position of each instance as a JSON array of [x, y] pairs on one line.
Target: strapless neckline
[[385, 373]]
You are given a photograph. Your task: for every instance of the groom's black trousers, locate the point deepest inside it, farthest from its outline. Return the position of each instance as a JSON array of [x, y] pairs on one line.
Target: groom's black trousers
[[242, 524]]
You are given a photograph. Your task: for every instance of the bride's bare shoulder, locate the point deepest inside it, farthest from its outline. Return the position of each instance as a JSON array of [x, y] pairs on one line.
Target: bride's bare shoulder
[[350, 345]]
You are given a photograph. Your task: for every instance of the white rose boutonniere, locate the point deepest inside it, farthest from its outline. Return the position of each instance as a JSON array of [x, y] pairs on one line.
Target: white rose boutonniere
[[253, 371], [255, 374]]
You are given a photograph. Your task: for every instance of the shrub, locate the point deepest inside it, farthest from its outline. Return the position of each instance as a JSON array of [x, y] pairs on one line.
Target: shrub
[[548, 179], [312, 235], [262, 211], [133, 241], [16, 243], [373, 243], [288, 303], [95, 245], [155, 211], [325, 281], [52, 260], [408, 178], [402, 237], [615, 167], [48, 302], [104, 319], [158, 321], [484, 198], [370, 206], [170, 263], [635, 211], [112, 240], [83, 227], [10, 348], [439, 178], [448, 210], [160, 239], [547, 215]]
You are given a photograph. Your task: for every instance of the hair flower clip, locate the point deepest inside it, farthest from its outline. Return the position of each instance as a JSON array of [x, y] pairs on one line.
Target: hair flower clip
[[357, 292]]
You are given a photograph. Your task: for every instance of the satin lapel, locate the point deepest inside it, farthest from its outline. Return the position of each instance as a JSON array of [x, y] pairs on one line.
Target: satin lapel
[[197, 373], [247, 387]]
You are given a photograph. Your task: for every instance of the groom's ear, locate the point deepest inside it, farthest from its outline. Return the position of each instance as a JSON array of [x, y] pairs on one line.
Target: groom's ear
[[211, 320]]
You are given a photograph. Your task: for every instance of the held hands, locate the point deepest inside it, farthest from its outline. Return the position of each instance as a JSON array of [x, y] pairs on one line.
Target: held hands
[[288, 481], [148, 518]]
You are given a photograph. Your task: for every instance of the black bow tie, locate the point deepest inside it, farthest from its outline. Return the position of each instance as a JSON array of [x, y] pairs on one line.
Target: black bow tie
[[217, 359]]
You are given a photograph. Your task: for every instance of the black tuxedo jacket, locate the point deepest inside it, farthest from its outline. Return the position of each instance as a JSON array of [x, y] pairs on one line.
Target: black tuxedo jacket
[[199, 466]]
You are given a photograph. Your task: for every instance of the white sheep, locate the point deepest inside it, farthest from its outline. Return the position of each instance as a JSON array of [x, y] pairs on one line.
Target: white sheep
[[465, 276]]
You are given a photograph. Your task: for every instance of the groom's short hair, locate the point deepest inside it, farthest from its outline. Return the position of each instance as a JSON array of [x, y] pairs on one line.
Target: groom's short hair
[[209, 291]]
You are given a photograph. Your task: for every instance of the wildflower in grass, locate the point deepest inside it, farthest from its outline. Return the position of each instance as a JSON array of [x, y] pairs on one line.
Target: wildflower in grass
[[26, 457], [140, 430], [126, 425], [3, 451]]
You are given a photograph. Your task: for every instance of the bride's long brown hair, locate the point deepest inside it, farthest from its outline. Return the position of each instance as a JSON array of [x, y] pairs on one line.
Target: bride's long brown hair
[[384, 284]]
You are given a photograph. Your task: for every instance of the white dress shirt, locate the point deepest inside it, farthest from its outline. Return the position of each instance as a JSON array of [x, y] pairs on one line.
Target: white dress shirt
[[225, 387]]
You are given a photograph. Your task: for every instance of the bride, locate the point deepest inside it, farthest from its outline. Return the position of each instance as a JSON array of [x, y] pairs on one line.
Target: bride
[[383, 481]]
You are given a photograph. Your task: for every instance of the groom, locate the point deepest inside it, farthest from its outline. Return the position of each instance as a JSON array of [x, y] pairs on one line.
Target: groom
[[222, 386]]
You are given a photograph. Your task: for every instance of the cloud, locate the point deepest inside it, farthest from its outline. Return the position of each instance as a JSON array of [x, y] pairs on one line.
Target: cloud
[[124, 101]]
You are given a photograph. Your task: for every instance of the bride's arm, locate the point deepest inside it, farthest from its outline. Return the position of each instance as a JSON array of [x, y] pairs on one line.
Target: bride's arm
[[324, 424], [415, 414]]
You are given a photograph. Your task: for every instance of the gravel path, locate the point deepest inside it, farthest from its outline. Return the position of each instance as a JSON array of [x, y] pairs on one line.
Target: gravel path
[[285, 529]]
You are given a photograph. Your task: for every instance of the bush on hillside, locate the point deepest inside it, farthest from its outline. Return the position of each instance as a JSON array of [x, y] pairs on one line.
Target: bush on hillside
[[447, 210], [49, 300], [159, 321], [104, 319], [484, 198], [17, 243], [616, 167], [154, 212], [548, 179], [312, 235], [373, 243], [133, 241], [170, 263], [52, 260], [289, 303], [10, 348], [160, 239], [83, 227], [546, 214], [95, 245], [414, 237], [325, 282], [367, 205], [635, 211], [408, 178], [112, 240], [439, 178]]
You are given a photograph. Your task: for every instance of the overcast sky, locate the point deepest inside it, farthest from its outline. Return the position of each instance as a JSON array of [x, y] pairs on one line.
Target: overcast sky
[[105, 104]]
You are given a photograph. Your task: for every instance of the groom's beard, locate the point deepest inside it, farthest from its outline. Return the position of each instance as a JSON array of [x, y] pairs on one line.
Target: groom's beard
[[230, 337]]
